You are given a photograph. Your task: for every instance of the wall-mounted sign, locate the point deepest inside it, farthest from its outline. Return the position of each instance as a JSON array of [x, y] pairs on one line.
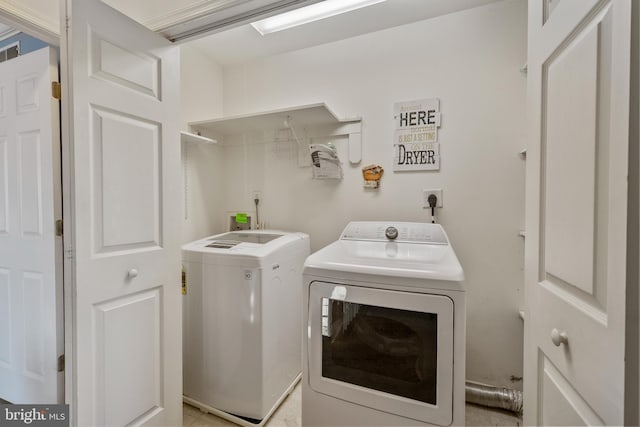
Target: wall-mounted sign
[[415, 143]]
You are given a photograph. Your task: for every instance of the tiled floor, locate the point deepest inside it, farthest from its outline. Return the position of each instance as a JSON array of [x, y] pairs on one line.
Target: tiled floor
[[481, 416], [288, 415]]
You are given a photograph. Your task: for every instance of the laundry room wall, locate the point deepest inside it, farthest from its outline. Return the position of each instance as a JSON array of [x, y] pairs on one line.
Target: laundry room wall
[[201, 92], [471, 61]]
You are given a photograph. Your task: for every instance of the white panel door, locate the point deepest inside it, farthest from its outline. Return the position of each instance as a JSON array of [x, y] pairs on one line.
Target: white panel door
[[578, 106], [31, 332], [122, 94]]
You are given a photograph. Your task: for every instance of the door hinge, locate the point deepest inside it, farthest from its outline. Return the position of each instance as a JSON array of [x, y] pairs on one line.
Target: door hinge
[[59, 228], [184, 281], [56, 90], [61, 363]]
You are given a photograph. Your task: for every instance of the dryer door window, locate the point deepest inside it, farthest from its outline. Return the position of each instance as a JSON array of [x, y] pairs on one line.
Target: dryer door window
[[388, 350], [381, 348]]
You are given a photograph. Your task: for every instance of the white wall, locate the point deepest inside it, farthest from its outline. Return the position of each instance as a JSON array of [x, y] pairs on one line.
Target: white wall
[[471, 61], [202, 92]]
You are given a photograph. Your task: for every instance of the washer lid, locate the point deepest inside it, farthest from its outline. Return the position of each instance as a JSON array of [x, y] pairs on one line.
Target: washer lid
[[420, 251], [247, 247], [238, 237], [229, 240]]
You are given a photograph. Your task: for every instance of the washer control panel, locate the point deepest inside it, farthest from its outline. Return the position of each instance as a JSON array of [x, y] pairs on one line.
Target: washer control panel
[[405, 232]]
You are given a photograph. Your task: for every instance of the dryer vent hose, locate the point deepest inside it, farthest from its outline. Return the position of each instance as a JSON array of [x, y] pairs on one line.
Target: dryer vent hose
[[494, 397]]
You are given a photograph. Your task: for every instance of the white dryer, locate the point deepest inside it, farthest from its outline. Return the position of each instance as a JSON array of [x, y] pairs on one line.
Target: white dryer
[[384, 329], [241, 317]]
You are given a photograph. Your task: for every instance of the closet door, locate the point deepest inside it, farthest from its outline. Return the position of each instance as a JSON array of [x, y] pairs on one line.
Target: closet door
[[578, 103], [121, 99], [31, 328]]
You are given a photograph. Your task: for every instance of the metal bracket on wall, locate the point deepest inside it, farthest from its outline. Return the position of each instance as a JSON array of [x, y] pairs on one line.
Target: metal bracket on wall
[[350, 129]]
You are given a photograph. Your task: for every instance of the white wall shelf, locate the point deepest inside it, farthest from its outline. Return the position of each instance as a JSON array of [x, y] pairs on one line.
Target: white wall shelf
[[317, 120], [198, 139]]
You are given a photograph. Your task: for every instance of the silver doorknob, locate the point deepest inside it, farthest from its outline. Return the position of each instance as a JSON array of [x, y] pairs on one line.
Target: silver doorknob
[[132, 274], [558, 337]]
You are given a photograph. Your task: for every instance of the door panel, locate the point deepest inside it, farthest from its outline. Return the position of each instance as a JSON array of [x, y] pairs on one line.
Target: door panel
[[4, 185], [570, 96], [5, 318], [127, 211], [30, 286], [29, 177], [34, 338], [561, 404], [124, 101], [576, 212], [128, 341], [137, 71]]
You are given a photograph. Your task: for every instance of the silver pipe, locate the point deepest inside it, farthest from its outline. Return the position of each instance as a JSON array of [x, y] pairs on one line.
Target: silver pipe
[[494, 397]]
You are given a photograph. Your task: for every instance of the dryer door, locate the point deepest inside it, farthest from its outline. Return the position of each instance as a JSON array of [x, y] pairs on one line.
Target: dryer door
[[387, 350]]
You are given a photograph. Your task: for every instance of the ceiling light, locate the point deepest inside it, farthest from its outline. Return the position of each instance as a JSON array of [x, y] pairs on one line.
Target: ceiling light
[[304, 15]]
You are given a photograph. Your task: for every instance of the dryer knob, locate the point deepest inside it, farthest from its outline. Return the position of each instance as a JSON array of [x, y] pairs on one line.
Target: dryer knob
[[391, 233]]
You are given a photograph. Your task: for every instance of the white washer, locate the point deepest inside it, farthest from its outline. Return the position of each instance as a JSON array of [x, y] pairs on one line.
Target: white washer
[[241, 317], [384, 329]]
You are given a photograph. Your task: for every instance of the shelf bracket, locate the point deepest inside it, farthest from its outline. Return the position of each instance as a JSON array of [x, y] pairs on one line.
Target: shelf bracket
[[355, 148]]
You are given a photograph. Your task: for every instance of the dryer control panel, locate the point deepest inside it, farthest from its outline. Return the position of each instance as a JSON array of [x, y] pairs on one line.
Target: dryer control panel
[[401, 232]]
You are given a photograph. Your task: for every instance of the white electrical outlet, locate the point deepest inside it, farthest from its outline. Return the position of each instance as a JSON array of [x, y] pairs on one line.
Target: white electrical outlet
[[425, 197]]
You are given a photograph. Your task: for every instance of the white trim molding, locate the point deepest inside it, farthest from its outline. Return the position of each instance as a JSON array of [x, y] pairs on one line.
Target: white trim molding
[[207, 17], [186, 13], [193, 19], [8, 33], [35, 22]]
